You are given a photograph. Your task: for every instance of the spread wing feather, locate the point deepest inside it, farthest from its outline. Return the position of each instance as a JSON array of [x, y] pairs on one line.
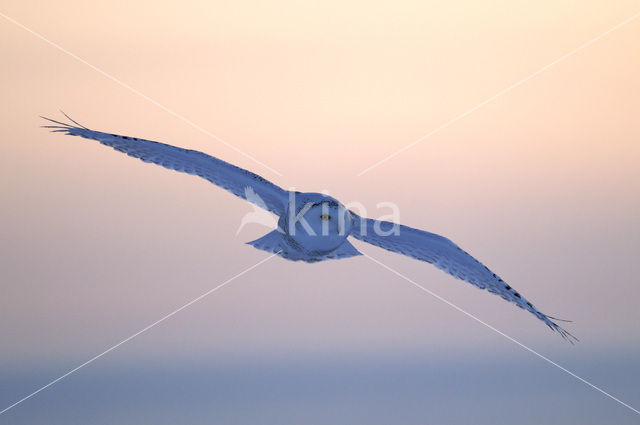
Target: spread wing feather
[[447, 256], [227, 176]]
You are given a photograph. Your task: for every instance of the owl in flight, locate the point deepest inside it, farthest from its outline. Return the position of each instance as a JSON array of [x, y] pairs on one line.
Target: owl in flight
[[312, 226]]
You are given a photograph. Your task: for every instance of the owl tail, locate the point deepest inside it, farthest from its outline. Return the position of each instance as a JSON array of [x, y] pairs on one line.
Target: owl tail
[[271, 242], [275, 242]]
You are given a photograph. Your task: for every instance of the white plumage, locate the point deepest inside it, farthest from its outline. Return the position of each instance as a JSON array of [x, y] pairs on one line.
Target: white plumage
[[259, 213], [312, 226]]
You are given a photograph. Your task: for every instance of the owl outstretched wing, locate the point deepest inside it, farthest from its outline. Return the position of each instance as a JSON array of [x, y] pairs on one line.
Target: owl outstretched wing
[[227, 176], [447, 256]]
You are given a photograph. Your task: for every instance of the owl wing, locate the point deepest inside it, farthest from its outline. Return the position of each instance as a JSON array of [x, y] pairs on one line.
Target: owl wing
[[445, 255], [229, 177]]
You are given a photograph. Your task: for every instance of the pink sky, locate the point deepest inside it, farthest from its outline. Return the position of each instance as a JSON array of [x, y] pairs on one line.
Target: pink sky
[[541, 184]]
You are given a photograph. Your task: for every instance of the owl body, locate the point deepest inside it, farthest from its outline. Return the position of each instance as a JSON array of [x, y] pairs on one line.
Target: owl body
[[313, 228]]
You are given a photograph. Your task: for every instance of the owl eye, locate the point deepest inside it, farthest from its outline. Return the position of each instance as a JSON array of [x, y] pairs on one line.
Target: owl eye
[[325, 217]]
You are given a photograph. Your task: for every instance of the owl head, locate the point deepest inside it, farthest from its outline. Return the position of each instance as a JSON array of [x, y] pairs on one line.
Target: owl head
[[315, 223]]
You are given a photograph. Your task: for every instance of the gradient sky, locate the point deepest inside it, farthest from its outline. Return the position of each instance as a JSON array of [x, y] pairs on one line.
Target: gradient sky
[[540, 184]]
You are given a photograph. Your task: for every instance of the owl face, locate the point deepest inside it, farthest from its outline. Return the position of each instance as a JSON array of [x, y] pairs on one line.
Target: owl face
[[315, 223]]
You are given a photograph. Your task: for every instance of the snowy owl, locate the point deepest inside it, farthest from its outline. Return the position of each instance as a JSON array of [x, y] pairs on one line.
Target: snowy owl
[[313, 227]]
